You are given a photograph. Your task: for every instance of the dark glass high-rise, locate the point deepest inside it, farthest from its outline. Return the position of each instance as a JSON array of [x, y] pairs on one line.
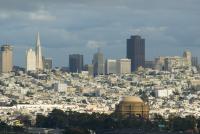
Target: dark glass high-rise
[[136, 52], [76, 63]]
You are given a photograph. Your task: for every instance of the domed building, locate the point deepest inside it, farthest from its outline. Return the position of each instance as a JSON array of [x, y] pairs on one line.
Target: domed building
[[132, 106]]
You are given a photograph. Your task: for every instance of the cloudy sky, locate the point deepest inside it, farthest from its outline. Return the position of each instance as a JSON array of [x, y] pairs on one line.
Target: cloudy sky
[[81, 26]]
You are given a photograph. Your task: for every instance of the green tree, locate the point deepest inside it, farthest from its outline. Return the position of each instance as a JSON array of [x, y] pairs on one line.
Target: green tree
[[183, 124], [25, 119], [40, 121], [76, 130], [56, 119], [13, 102]]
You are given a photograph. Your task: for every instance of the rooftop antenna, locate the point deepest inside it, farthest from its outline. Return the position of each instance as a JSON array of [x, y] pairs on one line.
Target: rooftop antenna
[[38, 39]]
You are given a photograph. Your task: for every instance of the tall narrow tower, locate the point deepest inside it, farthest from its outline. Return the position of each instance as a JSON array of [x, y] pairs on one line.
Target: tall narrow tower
[[30, 60], [38, 51], [98, 63], [136, 51], [6, 58]]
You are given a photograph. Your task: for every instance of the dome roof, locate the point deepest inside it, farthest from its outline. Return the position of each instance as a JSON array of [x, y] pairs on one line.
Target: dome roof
[[132, 99]]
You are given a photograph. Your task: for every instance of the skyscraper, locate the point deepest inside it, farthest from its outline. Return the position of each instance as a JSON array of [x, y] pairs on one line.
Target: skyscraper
[[98, 63], [195, 61], [123, 66], [76, 63], [136, 52], [38, 51], [6, 59], [90, 69], [111, 66], [30, 60]]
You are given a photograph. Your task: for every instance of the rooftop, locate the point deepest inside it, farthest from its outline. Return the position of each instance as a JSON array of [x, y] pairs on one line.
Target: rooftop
[[132, 99]]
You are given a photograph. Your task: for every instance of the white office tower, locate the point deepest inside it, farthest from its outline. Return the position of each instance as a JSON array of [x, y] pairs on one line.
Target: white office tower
[[30, 60], [187, 55], [111, 66], [38, 51], [123, 66]]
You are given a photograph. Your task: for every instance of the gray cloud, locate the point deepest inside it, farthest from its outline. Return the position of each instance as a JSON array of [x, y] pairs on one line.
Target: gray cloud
[[92, 44], [73, 26]]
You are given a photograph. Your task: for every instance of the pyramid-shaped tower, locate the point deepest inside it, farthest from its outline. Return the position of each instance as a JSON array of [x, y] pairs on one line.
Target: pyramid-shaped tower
[[38, 52]]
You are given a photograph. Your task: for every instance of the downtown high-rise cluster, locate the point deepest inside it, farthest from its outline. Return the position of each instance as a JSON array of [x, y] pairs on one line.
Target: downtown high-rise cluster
[[34, 58], [135, 58]]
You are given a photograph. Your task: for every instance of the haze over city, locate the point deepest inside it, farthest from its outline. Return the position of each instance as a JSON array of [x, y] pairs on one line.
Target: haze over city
[[66, 27]]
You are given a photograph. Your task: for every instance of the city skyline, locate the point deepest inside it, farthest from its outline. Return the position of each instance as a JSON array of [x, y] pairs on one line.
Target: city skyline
[[169, 27], [91, 60]]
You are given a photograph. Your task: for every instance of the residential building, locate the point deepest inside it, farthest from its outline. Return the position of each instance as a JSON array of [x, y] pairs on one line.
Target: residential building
[[111, 66]]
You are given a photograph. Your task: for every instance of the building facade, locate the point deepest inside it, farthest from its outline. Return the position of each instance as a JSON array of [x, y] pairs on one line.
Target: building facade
[[47, 63], [98, 63], [60, 87], [187, 55], [38, 51], [195, 61], [132, 106], [90, 69], [123, 66], [149, 64], [6, 59], [173, 63], [159, 63], [30, 60], [111, 66], [135, 51], [34, 60], [76, 63]]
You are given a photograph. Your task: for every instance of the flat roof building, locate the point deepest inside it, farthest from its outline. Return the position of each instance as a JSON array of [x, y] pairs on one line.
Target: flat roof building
[[6, 59], [75, 63], [111, 66], [98, 63], [123, 66], [30, 60], [135, 50]]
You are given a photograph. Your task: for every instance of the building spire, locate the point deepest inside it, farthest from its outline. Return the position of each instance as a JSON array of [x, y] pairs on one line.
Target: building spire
[[38, 52], [38, 39]]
